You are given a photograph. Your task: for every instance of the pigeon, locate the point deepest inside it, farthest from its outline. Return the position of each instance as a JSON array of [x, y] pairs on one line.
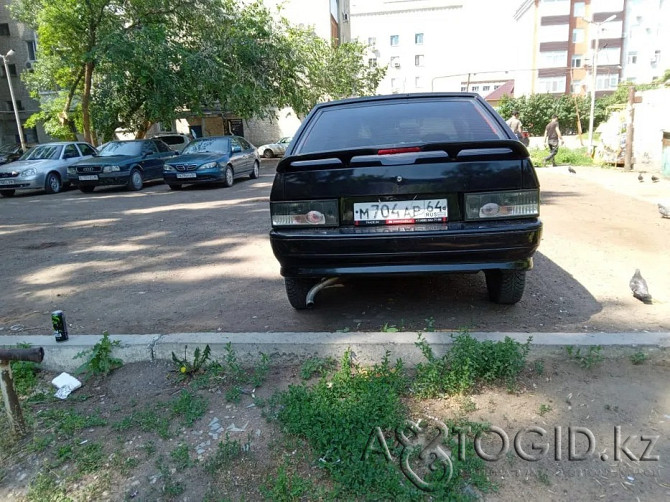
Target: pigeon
[[655, 178], [571, 170], [664, 209], [639, 287], [640, 178]]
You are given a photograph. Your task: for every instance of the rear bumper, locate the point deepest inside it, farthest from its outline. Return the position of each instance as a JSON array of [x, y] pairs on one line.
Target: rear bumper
[[418, 249]]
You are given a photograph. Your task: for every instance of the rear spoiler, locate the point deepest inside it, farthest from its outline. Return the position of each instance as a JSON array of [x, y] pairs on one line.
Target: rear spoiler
[[508, 148]]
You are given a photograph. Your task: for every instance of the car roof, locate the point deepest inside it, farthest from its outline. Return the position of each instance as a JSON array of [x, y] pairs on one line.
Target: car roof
[[399, 97]]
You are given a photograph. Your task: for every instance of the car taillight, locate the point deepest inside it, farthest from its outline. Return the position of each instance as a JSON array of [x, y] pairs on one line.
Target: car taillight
[[311, 213], [496, 205], [393, 151]]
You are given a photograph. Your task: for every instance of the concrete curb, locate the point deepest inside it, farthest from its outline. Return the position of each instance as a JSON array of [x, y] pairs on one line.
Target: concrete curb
[[291, 348]]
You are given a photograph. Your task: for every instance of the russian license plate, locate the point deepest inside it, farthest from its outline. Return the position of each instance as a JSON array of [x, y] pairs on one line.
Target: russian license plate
[[89, 177], [399, 212], [6, 182], [186, 175]]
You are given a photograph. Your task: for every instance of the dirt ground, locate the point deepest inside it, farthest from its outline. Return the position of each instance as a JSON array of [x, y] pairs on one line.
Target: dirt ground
[[553, 392], [199, 260]]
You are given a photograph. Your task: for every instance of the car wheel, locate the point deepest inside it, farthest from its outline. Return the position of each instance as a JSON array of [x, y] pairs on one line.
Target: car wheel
[[505, 286], [268, 154], [52, 184], [176, 187], [296, 291], [7, 193], [86, 188], [135, 182], [228, 177], [255, 171]]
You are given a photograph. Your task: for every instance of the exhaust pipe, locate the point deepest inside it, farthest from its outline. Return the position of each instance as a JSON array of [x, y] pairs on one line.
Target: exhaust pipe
[[318, 287]]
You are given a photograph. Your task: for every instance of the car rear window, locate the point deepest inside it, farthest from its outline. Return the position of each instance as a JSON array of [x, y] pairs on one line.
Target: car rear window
[[381, 123], [172, 140]]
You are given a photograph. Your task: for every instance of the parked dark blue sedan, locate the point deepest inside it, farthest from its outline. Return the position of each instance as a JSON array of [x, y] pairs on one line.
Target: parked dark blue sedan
[[128, 163], [216, 159]]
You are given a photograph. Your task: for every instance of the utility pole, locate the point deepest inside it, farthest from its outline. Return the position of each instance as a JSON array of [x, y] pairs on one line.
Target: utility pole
[[467, 89], [628, 159]]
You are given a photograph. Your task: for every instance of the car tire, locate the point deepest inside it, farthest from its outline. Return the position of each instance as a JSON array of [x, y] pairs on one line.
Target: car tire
[[255, 172], [52, 183], [135, 181], [228, 177], [87, 188], [7, 193], [176, 187], [505, 286], [296, 291], [268, 154]]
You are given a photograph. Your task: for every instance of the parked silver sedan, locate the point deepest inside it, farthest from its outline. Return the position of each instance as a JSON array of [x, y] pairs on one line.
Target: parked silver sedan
[[43, 167], [274, 149]]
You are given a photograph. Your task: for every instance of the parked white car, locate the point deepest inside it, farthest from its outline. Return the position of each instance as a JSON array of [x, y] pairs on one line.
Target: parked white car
[[43, 167], [274, 149]]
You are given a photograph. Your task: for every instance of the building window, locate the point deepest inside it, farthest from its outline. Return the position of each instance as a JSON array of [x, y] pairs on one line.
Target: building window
[[632, 58], [552, 84], [4, 29], [607, 82], [12, 70], [19, 105], [553, 59], [577, 36], [578, 9], [577, 61], [418, 82], [395, 39], [418, 38], [418, 60], [372, 41], [475, 88], [495, 87], [32, 49], [463, 88], [372, 62], [395, 62], [576, 87], [394, 82], [486, 88]]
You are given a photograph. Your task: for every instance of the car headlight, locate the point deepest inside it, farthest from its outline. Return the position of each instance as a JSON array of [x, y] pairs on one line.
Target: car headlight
[[496, 205], [111, 169], [168, 169], [72, 170], [209, 165], [310, 213], [28, 172]]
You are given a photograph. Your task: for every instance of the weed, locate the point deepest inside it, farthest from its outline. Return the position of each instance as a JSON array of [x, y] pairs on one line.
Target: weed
[[588, 360], [544, 409], [89, 458], [316, 366], [181, 457], [100, 360], [467, 363], [147, 420], [189, 406], [638, 358], [233, 394], [125, 465], [41, 443], [171, 488], [389, 328], [47, 488], [467, 405], [149, 448], [543, 478], [261, 371], [68, 422], [286, 486], [226, 451], [186, 367], [538, 367], [430, 324]]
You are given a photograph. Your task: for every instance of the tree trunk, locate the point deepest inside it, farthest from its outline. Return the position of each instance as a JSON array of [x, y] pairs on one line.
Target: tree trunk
[[142, 132], [86, 101], [65, 114]]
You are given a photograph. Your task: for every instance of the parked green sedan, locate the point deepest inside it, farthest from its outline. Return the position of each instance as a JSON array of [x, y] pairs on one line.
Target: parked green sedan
[[128, 163]]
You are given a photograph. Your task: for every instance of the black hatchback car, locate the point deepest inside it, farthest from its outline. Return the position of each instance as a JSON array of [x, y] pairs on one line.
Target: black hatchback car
[[129, 163], [405, 184]]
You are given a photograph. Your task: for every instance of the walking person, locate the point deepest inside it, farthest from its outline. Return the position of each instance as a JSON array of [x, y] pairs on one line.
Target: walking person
[[515, 124], [552, 136]]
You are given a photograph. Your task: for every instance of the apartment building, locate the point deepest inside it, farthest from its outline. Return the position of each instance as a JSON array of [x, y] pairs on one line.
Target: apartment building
[[16, 37], [646, 50]]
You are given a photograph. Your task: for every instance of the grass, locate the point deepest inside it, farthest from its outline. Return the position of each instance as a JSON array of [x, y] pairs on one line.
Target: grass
[[544, 409], [564, 157], [588, 359], [226, 451], [638, 358], [468, 363], [99, 359], [317, 366]]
